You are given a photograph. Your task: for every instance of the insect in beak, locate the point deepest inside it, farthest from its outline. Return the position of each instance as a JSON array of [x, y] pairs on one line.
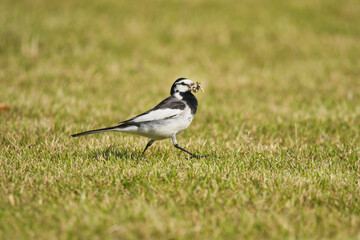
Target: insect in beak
[[195, 87]]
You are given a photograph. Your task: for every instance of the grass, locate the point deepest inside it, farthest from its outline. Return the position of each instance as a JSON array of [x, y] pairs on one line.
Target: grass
[[280, 117]]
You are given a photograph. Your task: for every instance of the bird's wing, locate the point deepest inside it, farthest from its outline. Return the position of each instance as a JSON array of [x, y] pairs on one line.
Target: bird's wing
[[168, 108]]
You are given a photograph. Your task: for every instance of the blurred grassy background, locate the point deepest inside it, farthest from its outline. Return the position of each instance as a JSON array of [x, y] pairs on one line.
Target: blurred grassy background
[[280, 112]]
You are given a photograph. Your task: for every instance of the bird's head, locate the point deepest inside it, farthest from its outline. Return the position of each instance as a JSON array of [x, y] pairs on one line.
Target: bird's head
[[183, 85]]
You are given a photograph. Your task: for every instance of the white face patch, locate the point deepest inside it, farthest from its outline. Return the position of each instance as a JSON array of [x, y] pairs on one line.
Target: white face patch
[[182, 88], [183, 85]]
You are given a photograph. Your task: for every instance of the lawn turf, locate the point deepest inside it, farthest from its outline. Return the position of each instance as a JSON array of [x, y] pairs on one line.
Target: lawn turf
[[280, 118]]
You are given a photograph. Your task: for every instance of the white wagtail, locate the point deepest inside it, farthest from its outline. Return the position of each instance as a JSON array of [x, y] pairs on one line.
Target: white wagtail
[[167, 119]]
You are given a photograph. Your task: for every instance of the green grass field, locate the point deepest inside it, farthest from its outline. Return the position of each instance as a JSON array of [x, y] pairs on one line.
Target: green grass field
[[280, 118]]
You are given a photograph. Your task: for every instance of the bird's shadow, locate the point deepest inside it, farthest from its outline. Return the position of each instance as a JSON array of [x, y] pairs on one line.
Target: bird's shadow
[[113, 153], [116, 153]]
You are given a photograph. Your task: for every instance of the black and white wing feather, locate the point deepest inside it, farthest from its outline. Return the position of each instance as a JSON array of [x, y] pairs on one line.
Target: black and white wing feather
[[168, 108]]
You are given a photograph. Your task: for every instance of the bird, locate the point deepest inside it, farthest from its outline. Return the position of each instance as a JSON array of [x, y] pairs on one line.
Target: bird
[[166, 120]]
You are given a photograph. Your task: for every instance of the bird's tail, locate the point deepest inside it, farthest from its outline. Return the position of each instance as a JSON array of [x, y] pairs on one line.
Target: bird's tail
[[94, 131]]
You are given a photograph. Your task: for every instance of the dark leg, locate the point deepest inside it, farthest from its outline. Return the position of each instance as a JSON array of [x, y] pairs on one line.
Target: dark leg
[[193, 155], [148, 145], [178, 147]]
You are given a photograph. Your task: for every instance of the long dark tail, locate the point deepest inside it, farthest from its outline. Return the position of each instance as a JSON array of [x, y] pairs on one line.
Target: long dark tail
[[95, 131]]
